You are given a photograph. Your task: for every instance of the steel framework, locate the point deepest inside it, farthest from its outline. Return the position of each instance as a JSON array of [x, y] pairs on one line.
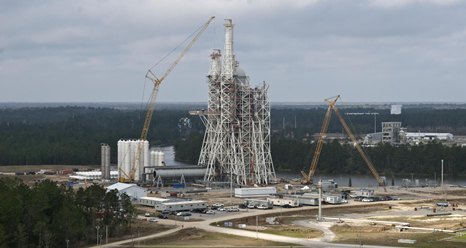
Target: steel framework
[[237, 139]]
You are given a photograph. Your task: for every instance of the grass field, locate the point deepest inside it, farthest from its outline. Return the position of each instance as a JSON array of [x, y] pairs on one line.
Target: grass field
[[200, 238]]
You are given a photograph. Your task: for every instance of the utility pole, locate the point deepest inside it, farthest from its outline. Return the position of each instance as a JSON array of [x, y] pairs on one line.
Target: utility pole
[[320, 199], [257, 227], [106, 235], [443, 191]]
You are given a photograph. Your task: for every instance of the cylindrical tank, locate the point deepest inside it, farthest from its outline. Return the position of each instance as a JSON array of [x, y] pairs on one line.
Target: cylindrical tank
[[107, 162], [127, 156], [103, 151], [161, 157]]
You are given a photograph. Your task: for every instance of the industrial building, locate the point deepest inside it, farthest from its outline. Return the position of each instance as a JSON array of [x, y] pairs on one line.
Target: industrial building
[[393, 133], [236, 145], [365, 192], [133, 191]]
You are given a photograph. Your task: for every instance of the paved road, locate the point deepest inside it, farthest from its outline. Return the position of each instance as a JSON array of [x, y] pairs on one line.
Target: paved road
[[323, 226], [205, 225]]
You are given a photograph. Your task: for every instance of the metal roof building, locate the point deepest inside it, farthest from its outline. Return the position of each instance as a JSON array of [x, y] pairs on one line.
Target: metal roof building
[[133, 191]]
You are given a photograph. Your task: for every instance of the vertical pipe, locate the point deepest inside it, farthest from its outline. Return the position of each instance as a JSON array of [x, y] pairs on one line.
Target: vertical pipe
[[320, 200]]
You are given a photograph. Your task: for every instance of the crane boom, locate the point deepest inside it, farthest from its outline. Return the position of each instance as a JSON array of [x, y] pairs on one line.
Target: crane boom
[[307, 178], [153, 98], [366, 159]]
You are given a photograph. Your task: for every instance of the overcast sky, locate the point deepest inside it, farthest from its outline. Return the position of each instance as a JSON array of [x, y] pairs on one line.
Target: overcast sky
[[366, 51]]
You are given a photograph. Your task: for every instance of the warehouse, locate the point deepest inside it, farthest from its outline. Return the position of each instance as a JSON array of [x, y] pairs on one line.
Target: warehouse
[[133, 191], [180, 206]]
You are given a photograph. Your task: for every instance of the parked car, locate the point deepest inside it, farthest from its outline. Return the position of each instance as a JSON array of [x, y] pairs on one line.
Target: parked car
[[179, 213], [185, 214], [359, 198], [218, 205], [204, 211], [344, 201], [396, 198], [162, 216], [367, 200], [19, 173], [214, 208], [153, 220], [388, 198], [242, 206], [30, 173], [173, 213], [234, 209], [262, 207], [147, 214], [353, 196], [209, 212], [286, 206], [221, 209], [250, 206], [1, 173], [165, 212]]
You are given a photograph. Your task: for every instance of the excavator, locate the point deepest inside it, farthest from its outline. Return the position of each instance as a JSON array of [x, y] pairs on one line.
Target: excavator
[[124, 177], [308, 177]]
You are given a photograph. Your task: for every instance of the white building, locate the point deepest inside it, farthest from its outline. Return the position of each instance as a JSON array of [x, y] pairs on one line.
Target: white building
[[255, 192], [428, 136], [133, 191]]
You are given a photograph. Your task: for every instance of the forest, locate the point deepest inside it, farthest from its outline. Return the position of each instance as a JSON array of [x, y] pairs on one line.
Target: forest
[[294, 155], [46, 215], [71, 135]]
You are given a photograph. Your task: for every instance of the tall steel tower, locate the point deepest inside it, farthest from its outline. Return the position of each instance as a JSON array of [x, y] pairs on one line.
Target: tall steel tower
[[237, 138]]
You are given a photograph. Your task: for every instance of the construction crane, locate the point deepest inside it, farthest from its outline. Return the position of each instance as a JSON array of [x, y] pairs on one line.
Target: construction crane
[[366, 159], [150, 110], [308, 178]]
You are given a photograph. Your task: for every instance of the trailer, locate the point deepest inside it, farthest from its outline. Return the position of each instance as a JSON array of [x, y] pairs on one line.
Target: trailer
[[257, 202], [255, 192], [180, 206], [284, 201], [330, 199], [151, 201], [305, 200]]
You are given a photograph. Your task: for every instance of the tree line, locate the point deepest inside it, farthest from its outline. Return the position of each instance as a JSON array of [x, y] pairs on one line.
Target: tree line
[[72, 135], [47, 215], [295, 155]]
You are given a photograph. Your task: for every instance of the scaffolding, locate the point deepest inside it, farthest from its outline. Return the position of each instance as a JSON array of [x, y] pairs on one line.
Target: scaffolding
[[236, 143]]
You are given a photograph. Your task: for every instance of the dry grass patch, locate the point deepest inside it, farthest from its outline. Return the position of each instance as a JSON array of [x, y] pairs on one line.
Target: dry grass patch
[[200, 238]]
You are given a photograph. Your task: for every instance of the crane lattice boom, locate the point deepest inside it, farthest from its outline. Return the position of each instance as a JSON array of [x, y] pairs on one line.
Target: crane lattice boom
[[153, 98]]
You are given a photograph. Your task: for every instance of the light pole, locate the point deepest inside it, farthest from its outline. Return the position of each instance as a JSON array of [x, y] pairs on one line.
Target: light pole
[[257, 227], [443, 191], [67, 243], [97, 227], [101, 240], [106, 235]]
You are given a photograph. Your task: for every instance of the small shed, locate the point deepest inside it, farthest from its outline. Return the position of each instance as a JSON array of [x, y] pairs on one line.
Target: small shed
[[132, 190]]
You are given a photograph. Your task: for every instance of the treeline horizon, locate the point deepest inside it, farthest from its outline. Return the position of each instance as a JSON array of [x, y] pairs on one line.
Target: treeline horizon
[[72, 135], [296, 156]]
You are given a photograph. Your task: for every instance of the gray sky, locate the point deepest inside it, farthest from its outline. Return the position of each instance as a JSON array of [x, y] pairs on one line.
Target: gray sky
[[366, 51]]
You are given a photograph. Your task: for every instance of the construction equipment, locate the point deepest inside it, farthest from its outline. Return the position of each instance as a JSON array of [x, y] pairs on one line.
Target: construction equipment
[[150, 110], [324, 130], [308, 178]]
